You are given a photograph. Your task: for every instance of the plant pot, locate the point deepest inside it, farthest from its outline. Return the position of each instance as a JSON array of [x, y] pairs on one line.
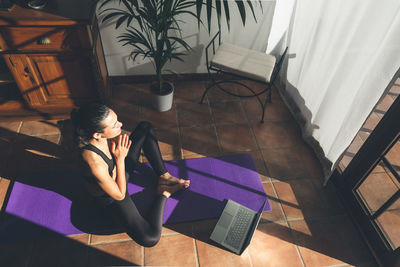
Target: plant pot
[[163, 101]]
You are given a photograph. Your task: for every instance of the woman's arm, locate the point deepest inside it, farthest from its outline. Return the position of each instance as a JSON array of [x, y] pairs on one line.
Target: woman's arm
[[120, 151], [99, 170], [114, 188]]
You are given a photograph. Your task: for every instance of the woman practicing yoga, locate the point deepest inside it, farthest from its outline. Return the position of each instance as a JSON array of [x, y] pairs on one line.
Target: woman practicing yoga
[[107, 164]]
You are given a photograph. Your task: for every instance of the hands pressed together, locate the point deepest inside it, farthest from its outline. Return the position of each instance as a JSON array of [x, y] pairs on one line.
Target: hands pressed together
[[121, 148]]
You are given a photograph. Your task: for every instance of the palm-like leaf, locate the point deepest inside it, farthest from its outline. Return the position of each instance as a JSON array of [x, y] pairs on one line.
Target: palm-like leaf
[[158, 35], [210, 6], [227, 15]]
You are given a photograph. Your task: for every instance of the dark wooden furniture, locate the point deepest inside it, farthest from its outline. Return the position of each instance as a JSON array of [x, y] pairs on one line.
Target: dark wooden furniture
[[55, 57]]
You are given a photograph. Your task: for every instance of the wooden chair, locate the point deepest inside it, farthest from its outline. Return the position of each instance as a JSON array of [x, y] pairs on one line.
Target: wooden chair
[[241, 64]]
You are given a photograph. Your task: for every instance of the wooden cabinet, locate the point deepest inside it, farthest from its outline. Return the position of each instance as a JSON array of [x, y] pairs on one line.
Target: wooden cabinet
[[53, 79], [57, 61]]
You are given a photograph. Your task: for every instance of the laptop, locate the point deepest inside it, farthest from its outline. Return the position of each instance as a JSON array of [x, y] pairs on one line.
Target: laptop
[[236, 226]]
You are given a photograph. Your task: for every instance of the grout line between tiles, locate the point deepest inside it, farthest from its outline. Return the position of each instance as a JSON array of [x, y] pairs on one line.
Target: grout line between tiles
[[218, 141], [20, 126], [28, 258], [255, 139], [180, 144], [45, 134], [297, 248], [214, 125], [288, 180], [170, 234], [318, 218], [196, 255], [280, 203], [290, 229], [142, 249], [87, 254], [31, 249], [340, 265], [244, 111], [111, 242], [266, 168], [248, 254]]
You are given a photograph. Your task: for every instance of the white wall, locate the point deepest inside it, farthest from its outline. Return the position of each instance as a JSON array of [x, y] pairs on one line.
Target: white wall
[[282, 16], [253, 35]]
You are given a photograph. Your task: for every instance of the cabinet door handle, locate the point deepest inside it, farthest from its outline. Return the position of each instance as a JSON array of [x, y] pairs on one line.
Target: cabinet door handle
[[27, 71], [28, 75], [32, 80], [44, 41], [12, 63]]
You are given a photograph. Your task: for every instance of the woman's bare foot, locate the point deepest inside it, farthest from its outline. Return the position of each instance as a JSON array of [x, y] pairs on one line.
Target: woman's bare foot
[[168, 189], [168, 179]]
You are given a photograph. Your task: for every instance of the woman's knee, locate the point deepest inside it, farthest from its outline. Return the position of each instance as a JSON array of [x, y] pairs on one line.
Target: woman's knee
[[147, 128], [146, 240], [145, 125], [140, 129], [151, 242]]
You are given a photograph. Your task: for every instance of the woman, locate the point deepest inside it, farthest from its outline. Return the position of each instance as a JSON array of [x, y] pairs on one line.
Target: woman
[[107, 164]]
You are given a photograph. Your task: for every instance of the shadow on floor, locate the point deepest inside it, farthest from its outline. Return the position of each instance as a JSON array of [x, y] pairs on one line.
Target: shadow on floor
[[26, 154]]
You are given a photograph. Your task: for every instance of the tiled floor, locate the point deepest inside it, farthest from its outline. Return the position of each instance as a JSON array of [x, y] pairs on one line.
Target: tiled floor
[[306, 227]]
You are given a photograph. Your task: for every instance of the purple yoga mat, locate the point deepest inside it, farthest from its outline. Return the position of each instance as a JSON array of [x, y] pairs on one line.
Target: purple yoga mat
[[53, 202]]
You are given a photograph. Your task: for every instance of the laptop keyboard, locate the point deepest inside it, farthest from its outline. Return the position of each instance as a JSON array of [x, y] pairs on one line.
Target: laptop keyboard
[[238, 228]]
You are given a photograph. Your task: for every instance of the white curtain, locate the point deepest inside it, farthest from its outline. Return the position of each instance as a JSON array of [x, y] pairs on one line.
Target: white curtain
[[342, 56]]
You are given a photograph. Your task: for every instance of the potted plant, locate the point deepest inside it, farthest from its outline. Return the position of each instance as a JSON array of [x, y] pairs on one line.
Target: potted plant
[[157, 34]]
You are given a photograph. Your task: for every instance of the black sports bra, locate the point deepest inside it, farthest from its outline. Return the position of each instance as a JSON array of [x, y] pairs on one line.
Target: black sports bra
[[110, 162]]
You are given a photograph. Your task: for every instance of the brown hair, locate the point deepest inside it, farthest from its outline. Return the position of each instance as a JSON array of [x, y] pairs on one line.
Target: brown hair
[[87, 120]]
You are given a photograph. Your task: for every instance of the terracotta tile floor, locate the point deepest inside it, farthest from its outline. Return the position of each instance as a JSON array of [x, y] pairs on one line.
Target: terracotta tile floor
[[306, 227]]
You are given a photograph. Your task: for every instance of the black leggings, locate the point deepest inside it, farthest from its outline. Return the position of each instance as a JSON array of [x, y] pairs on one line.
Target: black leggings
[[145, 231]]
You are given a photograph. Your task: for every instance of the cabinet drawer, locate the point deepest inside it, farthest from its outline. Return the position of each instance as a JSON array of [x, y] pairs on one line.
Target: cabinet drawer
[[40, 38]]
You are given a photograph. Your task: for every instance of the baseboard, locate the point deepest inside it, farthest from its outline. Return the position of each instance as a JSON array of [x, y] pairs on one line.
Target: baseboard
[[151, 78], [169, 77]]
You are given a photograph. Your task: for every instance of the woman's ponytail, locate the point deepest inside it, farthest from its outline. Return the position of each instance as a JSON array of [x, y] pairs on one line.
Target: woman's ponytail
[[87, 120]]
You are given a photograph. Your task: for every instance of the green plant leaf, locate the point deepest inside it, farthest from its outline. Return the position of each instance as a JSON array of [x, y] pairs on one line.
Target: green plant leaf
[[227, 16], [128, 6], [112, 15], [178, 58], [111, 9], [209, 10], [252, 9], [184, 5], [130, 18], [242, 10], [218, 8], [120, 21], [158, 34], [199, 7], [182, 42], [135, 3]]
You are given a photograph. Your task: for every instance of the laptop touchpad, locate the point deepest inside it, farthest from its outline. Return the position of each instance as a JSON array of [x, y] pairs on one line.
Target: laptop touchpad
[[225, 220]]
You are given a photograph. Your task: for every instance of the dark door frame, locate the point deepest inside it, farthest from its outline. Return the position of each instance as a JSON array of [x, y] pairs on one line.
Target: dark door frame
[[380, 141]]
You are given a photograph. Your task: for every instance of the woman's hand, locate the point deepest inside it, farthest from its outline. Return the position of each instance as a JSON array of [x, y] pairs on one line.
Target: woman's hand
[[120, 150]]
